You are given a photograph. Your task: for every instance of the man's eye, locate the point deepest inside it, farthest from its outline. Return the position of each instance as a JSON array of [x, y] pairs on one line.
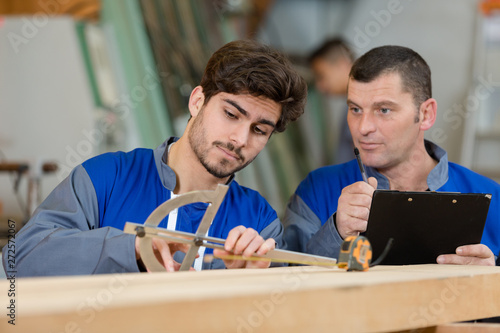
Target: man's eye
[[230, 114], [385, 110], [259, 131], [355, 109]]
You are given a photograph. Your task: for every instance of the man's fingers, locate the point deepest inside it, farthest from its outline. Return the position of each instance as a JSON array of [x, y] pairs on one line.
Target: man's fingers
[[254, 245], [355, 200], [137, 248], [177, 265], [476, 250], [373, 182], [174, 247], [240, 241], [268, 245], [357, 226], [265, 247], [453, 259], [233, 237], [350, 226], [360, 188], [244, 239], [477, 254], [356, 212], [354, 207], [163, 249], [245, 242]]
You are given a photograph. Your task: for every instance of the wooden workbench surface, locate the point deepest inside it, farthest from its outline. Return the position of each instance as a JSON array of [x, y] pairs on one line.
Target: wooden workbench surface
[[296, 299]]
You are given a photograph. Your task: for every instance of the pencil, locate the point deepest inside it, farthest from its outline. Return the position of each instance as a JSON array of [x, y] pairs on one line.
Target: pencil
[[360, 164]]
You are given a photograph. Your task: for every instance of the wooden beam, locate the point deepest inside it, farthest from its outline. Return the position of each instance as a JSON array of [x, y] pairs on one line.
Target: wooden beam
[[460, 328], [295, 299]]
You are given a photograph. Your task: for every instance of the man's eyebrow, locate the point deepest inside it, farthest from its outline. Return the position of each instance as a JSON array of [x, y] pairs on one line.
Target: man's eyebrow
[[376, 104], [385, 104], [267, 122], [245, 113], [351, 102], [237, 106]]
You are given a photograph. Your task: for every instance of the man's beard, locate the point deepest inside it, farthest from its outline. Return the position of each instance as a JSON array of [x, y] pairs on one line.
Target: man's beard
[[198, 142]]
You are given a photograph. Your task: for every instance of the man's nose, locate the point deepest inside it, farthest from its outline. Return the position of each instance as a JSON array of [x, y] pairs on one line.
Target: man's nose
[[239, 136], [366, 124]]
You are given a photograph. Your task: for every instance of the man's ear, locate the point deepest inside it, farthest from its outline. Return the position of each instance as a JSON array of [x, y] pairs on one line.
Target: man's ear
[[196, 101], [427, 114]]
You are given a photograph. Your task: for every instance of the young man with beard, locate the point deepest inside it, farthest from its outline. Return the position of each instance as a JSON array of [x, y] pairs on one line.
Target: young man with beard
[[390, 107], [248, 92]]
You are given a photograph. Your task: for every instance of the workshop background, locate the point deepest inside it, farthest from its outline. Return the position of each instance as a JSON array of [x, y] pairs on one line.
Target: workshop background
[[83, 77]]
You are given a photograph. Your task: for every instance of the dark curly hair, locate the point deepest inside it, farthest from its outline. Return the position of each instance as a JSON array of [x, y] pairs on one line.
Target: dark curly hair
[[248, 67]]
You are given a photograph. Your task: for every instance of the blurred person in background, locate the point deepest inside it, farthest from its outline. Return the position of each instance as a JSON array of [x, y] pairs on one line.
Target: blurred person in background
[[331, 64]]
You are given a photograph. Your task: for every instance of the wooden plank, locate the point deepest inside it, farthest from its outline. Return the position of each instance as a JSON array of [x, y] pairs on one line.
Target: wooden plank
[[468, 328], [461, 328], [296, 299]]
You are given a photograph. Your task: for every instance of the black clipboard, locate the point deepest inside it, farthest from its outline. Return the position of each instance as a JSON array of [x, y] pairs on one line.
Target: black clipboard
[[424, 224]]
